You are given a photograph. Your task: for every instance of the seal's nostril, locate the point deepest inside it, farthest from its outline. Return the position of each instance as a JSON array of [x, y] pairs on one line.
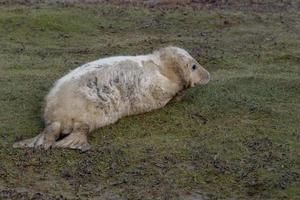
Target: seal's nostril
[[208, 76], [205, 78]]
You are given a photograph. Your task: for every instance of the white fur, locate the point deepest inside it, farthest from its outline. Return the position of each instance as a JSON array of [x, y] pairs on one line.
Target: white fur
[[92, 66], [101, 92], [70, 96]]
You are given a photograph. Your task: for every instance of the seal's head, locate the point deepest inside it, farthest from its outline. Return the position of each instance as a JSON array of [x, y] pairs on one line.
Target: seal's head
[[179, 66]]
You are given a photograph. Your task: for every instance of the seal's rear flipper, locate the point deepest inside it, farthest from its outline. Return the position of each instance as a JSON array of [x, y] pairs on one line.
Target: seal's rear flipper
[[44, 140], [77, 139], [30, 143]]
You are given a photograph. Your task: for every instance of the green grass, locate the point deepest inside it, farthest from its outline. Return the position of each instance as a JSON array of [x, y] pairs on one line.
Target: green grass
[[247, 149]]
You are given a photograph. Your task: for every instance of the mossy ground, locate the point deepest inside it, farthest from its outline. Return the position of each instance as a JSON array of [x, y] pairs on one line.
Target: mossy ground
[[238, 137]]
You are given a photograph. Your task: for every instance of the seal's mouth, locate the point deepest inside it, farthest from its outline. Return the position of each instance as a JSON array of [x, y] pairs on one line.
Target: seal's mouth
[[205, 78]]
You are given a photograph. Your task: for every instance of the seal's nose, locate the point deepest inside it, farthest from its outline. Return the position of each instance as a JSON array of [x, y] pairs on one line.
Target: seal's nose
[[205, 77]]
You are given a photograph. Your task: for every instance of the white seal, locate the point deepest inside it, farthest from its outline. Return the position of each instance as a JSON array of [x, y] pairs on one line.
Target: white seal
[[101, 92]]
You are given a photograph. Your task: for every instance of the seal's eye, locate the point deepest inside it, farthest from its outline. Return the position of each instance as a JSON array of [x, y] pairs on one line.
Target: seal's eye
[[194, 67]]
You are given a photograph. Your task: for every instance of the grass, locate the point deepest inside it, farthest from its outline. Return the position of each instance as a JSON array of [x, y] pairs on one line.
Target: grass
[[237, 137]]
